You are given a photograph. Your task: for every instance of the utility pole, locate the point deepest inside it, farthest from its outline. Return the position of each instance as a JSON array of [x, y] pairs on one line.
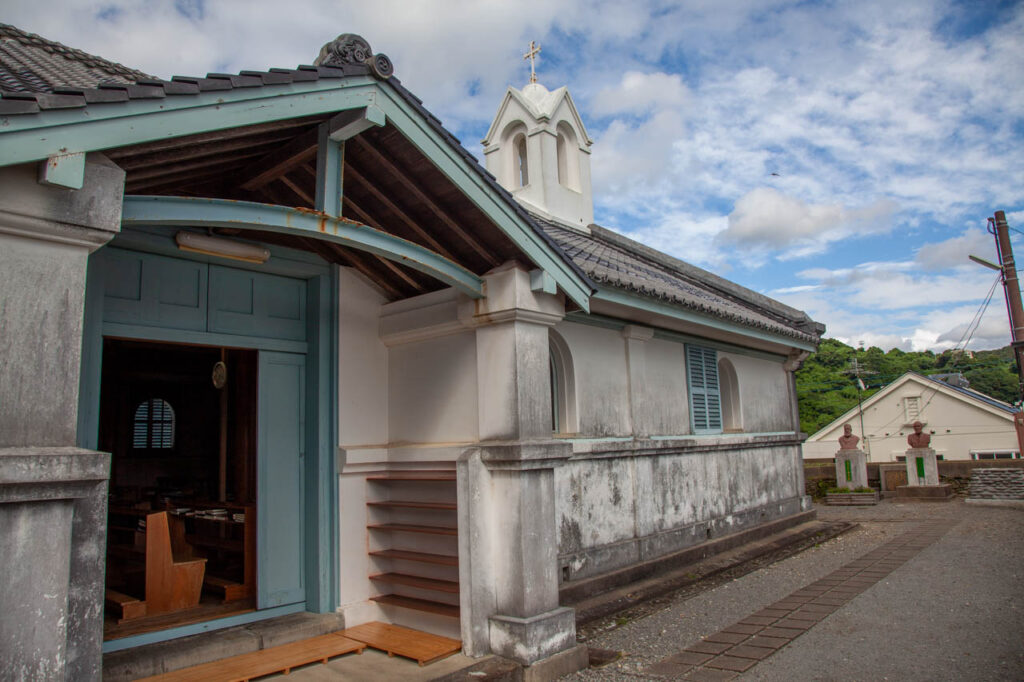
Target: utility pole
[[858, 371], [1008, 272], [999, 228]]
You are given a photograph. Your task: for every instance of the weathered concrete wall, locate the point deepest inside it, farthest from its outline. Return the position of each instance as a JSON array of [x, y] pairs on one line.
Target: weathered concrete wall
[[52, 495], [650, 498]]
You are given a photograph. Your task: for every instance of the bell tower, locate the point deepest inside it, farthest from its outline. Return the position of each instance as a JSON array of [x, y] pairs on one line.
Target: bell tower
[[539, 150]]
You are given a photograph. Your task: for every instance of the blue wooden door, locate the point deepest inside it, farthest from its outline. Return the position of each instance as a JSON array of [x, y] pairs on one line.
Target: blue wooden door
[[282, 443]]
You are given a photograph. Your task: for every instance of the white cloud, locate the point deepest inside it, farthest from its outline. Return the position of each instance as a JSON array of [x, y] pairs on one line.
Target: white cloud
[[953, 252], [640, 93], [766, 217]]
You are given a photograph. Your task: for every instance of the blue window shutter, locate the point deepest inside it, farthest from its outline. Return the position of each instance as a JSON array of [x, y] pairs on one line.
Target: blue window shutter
[[705, 397]]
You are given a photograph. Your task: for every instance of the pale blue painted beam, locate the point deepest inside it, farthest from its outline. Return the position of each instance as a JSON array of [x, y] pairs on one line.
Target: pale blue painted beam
[[347, 125], [677, 313], [330, 164], [63, 170], [31, 137], [206, 213]]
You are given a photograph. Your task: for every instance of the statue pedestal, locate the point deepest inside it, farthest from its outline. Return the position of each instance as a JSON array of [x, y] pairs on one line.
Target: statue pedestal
[[922, 467], [923, 479], [851, 469]]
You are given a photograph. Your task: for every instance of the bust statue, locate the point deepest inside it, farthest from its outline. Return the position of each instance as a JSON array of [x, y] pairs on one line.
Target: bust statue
[[919, 439], [848, 441]]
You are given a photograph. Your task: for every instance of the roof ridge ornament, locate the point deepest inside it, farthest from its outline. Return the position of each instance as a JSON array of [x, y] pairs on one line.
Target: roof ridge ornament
[[349, 48]]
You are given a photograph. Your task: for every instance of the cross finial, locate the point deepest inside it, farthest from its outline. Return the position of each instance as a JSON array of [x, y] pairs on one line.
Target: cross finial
[[532, 56]]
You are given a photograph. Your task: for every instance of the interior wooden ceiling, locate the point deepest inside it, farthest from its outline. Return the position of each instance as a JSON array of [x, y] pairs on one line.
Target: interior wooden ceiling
[[388, 184]]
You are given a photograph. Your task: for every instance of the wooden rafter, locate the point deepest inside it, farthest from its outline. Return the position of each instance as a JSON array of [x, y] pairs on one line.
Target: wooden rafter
[[205, 138], [199, 151], [413, 187], [180, 179], [280, 161], [178, 168], [405, 218], [294, 186]]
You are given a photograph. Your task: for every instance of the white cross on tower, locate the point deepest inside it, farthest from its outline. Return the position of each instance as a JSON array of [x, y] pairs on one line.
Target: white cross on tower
[[532, 56]]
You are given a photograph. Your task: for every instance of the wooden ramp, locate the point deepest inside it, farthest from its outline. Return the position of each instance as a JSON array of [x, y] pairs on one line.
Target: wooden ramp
[[422, 647], [276, 659]]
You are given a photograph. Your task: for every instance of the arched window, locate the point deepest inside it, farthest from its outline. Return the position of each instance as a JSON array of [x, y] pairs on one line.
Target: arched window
[[728, 386], [153, 426], [563, 386], [522, 170], [568, 157]]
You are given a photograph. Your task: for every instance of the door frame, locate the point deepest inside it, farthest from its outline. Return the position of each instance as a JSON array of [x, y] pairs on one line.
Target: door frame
[[321, 349]]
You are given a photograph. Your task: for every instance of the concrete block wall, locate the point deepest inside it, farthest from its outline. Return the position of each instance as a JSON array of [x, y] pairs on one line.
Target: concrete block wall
[[620, 508], [997, 484]]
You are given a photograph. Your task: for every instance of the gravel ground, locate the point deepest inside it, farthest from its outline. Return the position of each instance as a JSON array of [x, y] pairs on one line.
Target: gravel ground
[[953, 612]]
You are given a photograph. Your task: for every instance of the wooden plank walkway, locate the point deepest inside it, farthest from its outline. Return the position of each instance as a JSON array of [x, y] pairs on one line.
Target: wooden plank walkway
[[266, 661], [422, 647]]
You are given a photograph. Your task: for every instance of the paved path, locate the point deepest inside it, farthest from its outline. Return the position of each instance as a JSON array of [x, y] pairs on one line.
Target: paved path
[[918, 592]]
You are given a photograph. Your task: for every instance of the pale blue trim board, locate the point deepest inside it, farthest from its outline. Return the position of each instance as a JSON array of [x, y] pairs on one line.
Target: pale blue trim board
[[113, 645], [605, 322], [206, 213], [677, 313]]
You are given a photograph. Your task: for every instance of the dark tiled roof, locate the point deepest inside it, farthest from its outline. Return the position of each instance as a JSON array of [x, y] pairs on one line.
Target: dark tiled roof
[[30, 63], [987, 399], [610, 259]]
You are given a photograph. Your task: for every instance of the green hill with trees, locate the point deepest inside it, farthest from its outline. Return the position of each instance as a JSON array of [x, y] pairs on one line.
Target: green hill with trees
[[825, 391]]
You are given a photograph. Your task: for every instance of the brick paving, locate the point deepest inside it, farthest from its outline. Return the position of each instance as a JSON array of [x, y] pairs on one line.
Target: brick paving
[[739, 647]]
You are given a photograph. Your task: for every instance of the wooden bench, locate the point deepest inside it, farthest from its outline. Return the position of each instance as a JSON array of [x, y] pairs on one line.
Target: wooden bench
[[174, 578]]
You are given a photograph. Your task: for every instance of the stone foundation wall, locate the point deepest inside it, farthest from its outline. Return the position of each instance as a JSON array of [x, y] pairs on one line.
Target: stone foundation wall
[[997, 484], [628, 506]]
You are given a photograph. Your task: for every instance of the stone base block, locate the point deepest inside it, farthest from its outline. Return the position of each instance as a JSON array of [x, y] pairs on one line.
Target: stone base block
[[555, 667], [924, 493], [529, 640], [986, 502]]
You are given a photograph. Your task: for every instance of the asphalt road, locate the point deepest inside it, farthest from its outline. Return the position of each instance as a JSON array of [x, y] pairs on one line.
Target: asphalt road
[[955, 611]]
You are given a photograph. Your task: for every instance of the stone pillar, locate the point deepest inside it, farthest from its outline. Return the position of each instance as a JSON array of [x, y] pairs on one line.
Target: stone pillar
[[922, 467], [52, 494], [851, 469], [794, 362], [508, 541]]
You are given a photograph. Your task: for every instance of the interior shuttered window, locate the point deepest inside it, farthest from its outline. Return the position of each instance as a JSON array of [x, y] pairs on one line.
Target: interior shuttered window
[[705, 396], [153, 425]]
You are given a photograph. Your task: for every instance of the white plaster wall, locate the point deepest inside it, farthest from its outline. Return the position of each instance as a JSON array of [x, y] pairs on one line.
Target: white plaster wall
[[666, 404], [362, 364], [764, 393], [960, 426], [432, 390], [599, 360]]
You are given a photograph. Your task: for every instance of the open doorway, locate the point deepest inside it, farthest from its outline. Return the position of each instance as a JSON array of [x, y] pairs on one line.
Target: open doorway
[[181, 424]]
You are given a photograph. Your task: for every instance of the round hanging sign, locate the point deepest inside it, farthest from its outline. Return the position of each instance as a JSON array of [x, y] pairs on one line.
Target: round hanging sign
[[220, 374]]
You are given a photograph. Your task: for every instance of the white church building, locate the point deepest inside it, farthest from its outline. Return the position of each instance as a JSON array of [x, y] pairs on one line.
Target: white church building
[[422, 392]]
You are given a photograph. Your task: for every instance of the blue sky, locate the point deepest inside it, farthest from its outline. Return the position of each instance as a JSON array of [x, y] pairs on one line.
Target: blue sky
[[840, 156]]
